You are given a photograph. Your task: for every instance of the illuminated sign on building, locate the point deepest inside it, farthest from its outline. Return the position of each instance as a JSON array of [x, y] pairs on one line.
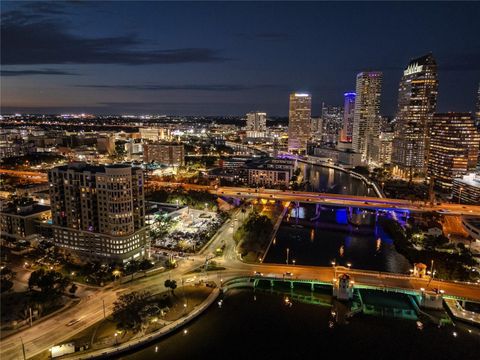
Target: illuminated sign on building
[[413, 69]]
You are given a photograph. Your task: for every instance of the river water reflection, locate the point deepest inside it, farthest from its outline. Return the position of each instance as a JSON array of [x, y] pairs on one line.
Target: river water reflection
[[318, 235], [259, 326]]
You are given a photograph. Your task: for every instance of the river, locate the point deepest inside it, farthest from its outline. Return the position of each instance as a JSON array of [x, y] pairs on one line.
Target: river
[[322, 235], [260, 326]]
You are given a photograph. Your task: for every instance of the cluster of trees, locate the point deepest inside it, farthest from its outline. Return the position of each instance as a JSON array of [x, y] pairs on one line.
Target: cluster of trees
[[131, 311], [192, 198], [32, 159], [253, 236], [447, 266], [48, 283], [400, 189]]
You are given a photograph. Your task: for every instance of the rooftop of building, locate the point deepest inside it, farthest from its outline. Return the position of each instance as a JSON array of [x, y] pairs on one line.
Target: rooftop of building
[[270, 163], [472, 221], [25, 210], [471, 180], [82, 166], [426, 59]]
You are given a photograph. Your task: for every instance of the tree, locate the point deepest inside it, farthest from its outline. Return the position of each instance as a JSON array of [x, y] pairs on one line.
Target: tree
[[128, 310], [48, 282], [73, 289], [6, 279], [172, 284], [145, 264]]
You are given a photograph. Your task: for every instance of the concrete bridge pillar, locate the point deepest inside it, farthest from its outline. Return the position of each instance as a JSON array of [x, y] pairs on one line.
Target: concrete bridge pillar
[[317, 209], [297, 211], [312, 286], [291, 284], [271, 283]]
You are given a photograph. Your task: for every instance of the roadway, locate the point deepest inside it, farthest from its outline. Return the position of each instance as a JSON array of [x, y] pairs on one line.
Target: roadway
[[364, 202], [90, 309]]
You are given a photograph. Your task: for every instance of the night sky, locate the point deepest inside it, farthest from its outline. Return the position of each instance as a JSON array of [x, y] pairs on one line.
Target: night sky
[[219, 58]]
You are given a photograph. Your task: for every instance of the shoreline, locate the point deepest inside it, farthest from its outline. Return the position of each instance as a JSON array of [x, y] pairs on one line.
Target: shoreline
[[145, 340]]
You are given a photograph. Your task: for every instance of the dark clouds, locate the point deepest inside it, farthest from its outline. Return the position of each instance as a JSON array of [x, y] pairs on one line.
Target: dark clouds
[[270, 36], [224, 57], [192, 87], [44, 38], [35, 72]]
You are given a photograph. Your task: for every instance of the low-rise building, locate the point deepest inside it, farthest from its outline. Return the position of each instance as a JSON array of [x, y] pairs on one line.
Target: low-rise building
[[472, 226], [19, 220], [155, 134], [172, 154], [347, 157], [270, 172], [106, 144], [466, 190]]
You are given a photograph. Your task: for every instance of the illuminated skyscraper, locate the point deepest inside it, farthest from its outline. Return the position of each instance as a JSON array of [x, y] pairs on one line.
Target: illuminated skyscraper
[[348, 113], [417, 100], [299, 122], [98, 212], [454, 143], [366, 118], [256, 121], [332, 120]]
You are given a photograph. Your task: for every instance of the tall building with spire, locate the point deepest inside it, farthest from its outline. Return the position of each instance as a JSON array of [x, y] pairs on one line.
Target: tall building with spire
[[417, 101], [348, 113], [299, 122], [366, 118]]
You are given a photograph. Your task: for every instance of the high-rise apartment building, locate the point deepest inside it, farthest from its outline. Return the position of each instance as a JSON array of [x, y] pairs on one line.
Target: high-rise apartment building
[[454, 144], [348, 113], [256, 121], [98, 212], [332, 120], [417, 101], [317, 128], [299, 122], [366, 118], [385, 147], [172, 154]]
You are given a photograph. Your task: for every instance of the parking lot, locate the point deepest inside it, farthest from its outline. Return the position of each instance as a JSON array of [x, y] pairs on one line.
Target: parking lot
[[191, 231]]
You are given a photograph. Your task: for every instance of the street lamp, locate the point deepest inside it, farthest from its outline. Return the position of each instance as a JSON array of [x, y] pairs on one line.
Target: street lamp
[[334, 269], [349, 265], [460, 195], [293, 261], [288, 252], [116, 341]]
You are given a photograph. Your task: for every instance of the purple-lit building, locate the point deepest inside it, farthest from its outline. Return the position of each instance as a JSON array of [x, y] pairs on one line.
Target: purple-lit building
[[348, 113]]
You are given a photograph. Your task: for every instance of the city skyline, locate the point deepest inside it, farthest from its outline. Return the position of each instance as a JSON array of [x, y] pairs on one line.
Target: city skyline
[[211, 65], [170, 171]]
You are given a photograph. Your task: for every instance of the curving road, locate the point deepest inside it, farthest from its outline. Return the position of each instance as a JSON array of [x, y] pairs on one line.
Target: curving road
[[55, 330]]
